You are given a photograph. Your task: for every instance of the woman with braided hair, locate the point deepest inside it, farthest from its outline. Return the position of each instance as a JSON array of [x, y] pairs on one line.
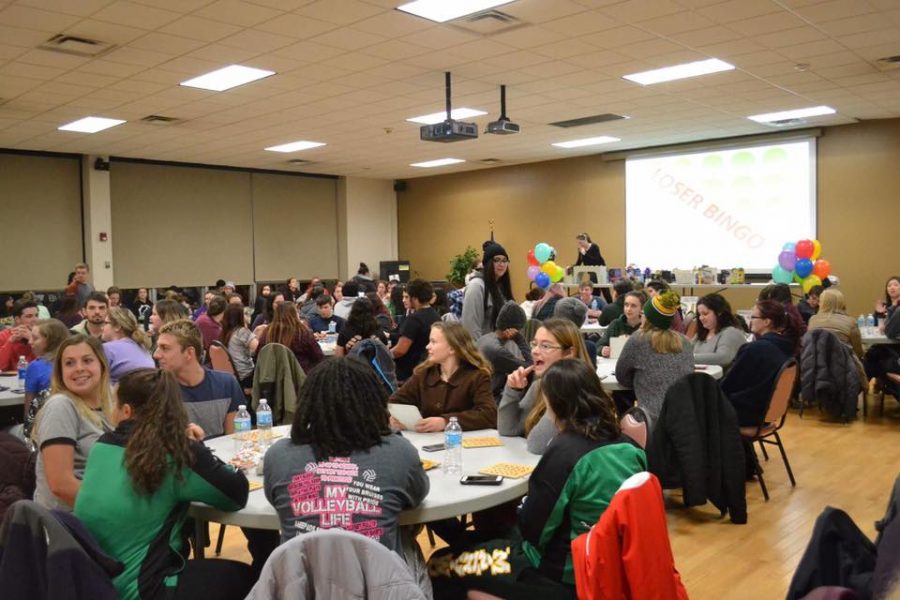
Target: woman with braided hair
[[138, 485], [341, 444]]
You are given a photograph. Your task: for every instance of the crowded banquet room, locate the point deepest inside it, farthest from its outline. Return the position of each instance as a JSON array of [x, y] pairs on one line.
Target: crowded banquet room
[[449, 299]]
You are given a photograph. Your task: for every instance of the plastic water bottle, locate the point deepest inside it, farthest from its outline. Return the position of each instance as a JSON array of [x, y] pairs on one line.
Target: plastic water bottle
[[264, 423], [870, 322], [332, 327], [452, 448], [594, 304], [861, 322], [242, 427], [21, 367]]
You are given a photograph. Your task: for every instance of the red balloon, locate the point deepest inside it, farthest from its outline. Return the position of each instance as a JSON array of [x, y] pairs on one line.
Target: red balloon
[[822, 269], [532, 260], [805, 249]]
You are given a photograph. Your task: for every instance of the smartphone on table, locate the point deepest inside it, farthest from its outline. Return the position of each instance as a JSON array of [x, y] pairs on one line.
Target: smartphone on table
[[481, 479]]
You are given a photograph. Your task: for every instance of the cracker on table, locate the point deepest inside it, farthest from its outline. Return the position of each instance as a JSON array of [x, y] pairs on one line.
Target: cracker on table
[[481, 442], [508, 470], [428, 464], [255, 485]]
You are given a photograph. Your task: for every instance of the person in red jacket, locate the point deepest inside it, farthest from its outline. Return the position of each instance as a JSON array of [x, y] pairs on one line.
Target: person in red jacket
[[16, 341]]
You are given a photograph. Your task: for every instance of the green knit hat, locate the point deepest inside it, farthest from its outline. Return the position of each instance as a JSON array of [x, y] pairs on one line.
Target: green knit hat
[[661, 309]]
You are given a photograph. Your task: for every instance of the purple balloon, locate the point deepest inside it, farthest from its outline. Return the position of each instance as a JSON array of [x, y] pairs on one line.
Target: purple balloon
[[542, 280], [803, 268], [533, 272], [787, 260]]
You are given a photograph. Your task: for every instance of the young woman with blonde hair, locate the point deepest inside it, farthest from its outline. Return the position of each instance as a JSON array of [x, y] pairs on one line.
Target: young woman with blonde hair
[[70, 422], [833, 316], [126, 345], [454, 381], [522, 409], [656, 356]]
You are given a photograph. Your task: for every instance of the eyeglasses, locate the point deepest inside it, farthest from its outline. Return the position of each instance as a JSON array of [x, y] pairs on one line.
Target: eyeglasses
[[755, 317], [544, 346], [499, 260]]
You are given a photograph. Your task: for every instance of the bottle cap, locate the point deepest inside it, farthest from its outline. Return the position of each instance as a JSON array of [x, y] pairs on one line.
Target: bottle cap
[[263, 401], [242, 407]]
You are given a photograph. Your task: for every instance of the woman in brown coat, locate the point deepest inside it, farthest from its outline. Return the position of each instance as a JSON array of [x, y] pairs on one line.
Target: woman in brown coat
[[455, 381]]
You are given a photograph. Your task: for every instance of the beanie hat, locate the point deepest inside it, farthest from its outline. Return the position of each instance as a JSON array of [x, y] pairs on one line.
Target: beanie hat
[[492, 249], [511, 316], [661, 309], [571, 309]]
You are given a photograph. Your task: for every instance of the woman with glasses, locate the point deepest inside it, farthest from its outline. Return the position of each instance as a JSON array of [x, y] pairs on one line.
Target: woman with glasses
[[749, 382], [125, 344], [522, 409], [454, 381], [485, 295]]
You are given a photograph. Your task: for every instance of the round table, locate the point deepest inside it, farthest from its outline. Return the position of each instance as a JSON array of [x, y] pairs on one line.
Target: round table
[[8, 397], [606, 371], [446, 496]]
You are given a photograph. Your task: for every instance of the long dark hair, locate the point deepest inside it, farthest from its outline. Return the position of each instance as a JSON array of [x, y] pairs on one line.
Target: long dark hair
[[286, 325], [378, 307], [782, 322], [887, 298], [397, 299], [361, 320], [232, 320], [725, 317], [158, 441], [574, 394], [269, 308], [498, 290], [342, 408]]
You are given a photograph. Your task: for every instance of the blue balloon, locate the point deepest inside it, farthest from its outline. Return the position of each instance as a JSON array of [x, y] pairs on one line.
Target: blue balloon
[[542, 252], [542, 280], [790, 247], [803, 268]]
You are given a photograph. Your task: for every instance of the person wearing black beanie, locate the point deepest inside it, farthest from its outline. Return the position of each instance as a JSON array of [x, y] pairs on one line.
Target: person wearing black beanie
[[485, 295]]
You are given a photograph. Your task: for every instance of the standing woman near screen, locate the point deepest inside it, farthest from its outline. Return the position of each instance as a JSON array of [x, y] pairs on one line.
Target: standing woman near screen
[[588, 252], [485, 295]]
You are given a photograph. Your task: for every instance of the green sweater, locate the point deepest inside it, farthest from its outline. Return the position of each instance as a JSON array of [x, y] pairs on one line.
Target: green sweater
[[570, 488], [618, 327], [144, 532]]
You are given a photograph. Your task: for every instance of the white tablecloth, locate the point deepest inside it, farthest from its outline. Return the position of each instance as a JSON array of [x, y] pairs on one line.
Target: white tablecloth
[[606, 371], [8, 397], [446, 498]]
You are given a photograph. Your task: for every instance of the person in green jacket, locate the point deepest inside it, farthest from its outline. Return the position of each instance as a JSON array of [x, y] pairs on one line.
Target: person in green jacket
[[139, 482], [569, 489]]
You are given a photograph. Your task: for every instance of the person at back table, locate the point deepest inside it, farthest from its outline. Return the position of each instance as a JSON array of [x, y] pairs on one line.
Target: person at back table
[[455, 381], [142, 308], [656, 356], [325, 321], [94, 312], [781, 292], [832, 315], [616, 308], [138, 484], [211, 398], [809, 306], [16, 340], [210, 323], [594, 303], [749, 383], [46, 337], [125, 344], [360, 325], [720, 333], [240, 342], [413, 334], [80, 287], [658, 286], [506, 349], [288, 330], [363, 279], [350, 292], [628, 323], [487, 292]]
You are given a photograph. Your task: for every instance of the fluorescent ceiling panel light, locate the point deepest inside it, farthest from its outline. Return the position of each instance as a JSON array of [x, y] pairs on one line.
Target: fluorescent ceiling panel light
[[227, 78], [441, 162], [691, 69], [90, 124], [799, 113], [439, 117], [295, 146], [603, 139], [441, 11]]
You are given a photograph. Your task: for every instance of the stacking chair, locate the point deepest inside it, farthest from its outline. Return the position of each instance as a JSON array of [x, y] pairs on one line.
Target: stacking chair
[[776, 412]]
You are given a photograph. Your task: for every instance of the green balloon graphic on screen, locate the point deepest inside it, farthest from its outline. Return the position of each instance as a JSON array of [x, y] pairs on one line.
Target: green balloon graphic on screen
[[713, 161], [743, 183], [743, 160], [775, 155]]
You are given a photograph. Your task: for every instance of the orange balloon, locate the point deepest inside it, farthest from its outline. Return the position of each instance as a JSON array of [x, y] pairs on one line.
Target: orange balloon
[[822, 268]]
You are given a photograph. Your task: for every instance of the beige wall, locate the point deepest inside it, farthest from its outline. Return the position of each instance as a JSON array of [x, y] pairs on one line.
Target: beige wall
[[858, 211], [367, 223]]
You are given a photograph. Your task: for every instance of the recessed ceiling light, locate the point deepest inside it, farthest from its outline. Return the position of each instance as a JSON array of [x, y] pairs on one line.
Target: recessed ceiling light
[[603, 139], [691, 69], [295, 146], [441, 11], [91, 124], [441, 162], [438, 117], [227, 78], [799, 113]]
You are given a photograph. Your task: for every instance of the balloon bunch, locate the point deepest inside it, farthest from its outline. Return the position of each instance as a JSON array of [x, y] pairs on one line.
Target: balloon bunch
[[800, 262], [541, 268]]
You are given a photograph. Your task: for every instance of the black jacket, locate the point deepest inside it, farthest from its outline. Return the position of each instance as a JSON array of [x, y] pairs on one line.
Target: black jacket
[[695, 444], [828, 374], [749, 382], [16, 472]]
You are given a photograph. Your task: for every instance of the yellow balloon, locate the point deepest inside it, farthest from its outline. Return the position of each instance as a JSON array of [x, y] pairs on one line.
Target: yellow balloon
[[549, 268], [817, 250], [558, 274], [810, 282]]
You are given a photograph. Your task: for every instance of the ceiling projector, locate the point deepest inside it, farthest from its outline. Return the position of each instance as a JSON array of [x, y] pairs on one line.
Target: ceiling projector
[[502, 126], [448, 131]]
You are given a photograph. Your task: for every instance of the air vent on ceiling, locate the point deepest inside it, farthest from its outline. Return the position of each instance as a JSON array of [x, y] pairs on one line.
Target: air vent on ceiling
[[160, 120], [298, 161], [488, 22], [490, 161], [591, 120], [76, 45], [786, 123], [888, 63]]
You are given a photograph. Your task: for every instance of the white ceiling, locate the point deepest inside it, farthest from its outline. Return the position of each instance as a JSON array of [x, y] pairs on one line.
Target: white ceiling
[[351, 71]]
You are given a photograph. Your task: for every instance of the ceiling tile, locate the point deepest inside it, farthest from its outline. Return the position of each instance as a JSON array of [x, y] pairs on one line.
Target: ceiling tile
[[197, 28], [33, 18], [340, 12], [348, 39], [132, 14], [236, 12]]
